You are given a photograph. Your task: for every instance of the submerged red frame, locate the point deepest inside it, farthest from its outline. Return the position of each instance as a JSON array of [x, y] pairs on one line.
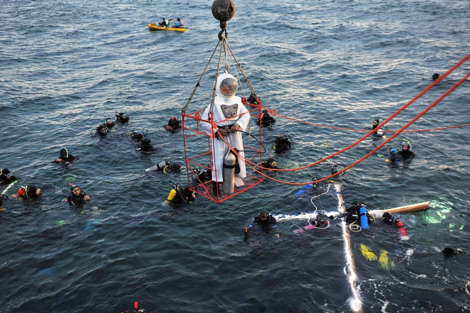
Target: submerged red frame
[[193, 130]]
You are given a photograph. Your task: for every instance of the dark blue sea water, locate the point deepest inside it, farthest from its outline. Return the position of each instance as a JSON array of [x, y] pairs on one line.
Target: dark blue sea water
[[67, 65]]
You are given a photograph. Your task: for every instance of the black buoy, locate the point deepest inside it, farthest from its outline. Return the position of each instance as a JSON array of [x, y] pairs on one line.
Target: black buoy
[[223, 10]]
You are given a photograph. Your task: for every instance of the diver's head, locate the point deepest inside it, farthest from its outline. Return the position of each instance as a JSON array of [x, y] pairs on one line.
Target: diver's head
[[393, 151], [380, 131], [34, 191], [122, 117], [137, 135], [448, 252], [435, 76], [176, 187], [64, 153], [176, 167], [264, 215], [76, 190], [375, 123], [178, 19], [109, 122], [102, 130], [406, 145], [227, 85], [173, 118], [145, 142], [6, 172], [163, 18]]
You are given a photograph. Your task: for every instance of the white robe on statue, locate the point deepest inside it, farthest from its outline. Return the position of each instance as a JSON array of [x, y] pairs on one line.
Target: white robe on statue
[[235, 140]]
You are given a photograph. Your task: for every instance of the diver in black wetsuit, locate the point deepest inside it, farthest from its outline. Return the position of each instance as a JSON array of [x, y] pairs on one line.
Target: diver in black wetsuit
[[179, 196], [269, 163], [64, 157], [6, 177], [102, 130], [380, 131], [173, 124], [137, 135], [30, 192], [406, 155], [122, 117], [109, 123], [263, 222], [77, 197], [145, 145], [266, 119], [282, 144]]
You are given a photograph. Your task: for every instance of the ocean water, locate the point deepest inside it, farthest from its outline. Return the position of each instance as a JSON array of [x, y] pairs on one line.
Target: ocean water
[[67, 65]]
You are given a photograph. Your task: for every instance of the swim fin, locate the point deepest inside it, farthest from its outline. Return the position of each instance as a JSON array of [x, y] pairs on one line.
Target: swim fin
[[384, 261], [367, 253]]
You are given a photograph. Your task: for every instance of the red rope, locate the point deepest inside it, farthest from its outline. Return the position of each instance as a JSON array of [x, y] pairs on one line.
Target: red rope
[[366, 130], [371, 152], [383, 123]]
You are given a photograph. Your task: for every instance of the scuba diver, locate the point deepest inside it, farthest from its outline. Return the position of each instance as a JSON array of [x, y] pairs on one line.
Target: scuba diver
[[145, 145], [449, 252], [64, 157], [380, 131], [102, 130], [435, 76], [269, 163], [203, 176], [406, 154], [109, 123], [6, 177], [266, 119], [29, 192], [179, 196], [254, 100], [77, 197], [282, 144], [389, 219], [137, 135], [394, 158], [166, 167], [122, 117], [173, 124], [357, 217], [263, 222]]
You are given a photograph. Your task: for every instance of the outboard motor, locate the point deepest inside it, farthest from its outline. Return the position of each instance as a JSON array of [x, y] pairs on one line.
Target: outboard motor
[[230, 161]]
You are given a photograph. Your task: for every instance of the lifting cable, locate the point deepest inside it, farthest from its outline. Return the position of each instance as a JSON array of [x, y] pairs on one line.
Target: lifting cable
[[226, 48], [364, 157]]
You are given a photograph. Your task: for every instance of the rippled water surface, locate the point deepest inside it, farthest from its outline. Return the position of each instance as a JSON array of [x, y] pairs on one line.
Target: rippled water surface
[[66, 65]]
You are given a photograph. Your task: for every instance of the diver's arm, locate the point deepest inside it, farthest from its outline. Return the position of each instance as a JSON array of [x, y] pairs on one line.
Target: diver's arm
[[244, 118]]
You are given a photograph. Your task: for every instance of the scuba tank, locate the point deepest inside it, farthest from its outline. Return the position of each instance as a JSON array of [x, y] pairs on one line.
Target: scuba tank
[[363, 220], [159, 166], [230, 161]]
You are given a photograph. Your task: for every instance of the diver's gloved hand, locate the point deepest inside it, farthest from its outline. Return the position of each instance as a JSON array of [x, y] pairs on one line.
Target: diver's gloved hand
[[234, 128], [223, 132]]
